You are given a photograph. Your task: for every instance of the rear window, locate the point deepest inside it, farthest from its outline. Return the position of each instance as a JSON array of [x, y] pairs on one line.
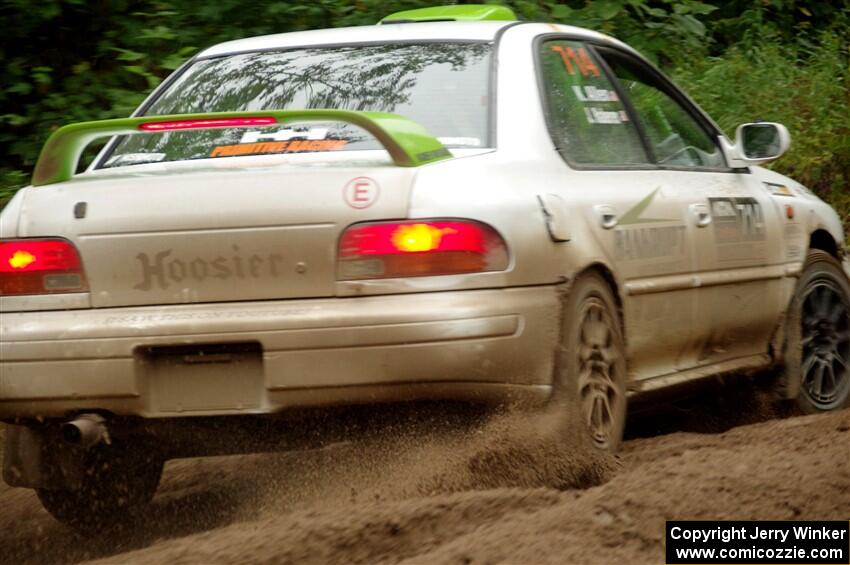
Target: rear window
[[443, 86]]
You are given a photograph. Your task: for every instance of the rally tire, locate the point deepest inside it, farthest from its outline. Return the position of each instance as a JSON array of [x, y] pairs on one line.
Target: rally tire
[[817, 351], [590, 373]]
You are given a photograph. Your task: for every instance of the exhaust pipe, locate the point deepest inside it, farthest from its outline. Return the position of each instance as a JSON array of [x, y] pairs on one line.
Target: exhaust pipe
[[86, 431]]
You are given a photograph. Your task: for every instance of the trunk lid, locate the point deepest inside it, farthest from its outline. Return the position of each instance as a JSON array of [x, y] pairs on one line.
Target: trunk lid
[[238, 229]]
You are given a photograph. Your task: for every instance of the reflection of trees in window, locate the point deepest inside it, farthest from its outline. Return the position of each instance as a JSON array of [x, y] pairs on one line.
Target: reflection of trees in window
[[374, 78]]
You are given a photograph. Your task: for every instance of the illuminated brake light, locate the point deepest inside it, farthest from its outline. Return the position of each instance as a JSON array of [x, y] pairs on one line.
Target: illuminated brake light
[[21, 259], [205, 123], [420, 237], [40, 266], [420, 248]]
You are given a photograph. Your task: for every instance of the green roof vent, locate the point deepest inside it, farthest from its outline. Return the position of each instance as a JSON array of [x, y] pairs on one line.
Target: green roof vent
[[461, 13]]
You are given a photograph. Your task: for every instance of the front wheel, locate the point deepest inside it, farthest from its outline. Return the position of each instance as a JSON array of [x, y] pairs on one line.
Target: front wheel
[[591, 372], [818, 357]]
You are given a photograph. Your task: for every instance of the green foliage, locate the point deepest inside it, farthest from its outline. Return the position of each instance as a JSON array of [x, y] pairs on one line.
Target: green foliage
[[74, 60], [68, 61], [805, 88], [666, 32]]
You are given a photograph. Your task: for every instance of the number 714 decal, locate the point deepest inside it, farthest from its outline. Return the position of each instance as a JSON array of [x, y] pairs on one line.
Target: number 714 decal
[[576, 59]]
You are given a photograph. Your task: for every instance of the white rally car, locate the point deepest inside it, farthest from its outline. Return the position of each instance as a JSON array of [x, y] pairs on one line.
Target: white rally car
[[431, 208]]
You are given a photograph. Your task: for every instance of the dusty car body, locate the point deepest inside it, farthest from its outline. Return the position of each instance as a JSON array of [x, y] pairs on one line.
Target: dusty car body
[[226, 285]]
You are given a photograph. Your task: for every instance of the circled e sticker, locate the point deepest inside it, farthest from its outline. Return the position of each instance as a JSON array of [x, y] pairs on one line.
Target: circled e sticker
[[361, 192]]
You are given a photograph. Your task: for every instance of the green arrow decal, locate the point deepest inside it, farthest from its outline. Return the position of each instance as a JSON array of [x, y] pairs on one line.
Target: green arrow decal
[[633, 216]]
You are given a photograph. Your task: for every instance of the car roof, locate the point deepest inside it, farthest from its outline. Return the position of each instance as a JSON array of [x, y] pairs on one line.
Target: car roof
[[386, 33], [429, 31]]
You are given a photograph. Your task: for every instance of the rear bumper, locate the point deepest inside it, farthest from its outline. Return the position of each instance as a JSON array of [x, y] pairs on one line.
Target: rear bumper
[[477, 344]]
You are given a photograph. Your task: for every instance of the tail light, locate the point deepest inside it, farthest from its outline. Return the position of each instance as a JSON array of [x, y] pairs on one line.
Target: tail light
[[418, 248], [40, 266]]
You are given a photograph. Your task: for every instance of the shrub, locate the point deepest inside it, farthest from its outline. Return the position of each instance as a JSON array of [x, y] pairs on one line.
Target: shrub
[[805, 88]]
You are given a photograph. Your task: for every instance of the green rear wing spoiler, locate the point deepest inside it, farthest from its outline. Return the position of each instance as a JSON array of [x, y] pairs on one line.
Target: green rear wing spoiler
[[455, 13], [408, 143]]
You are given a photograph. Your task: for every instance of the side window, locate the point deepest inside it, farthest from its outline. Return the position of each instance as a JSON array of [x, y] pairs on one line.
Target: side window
[[675, 136], [587, 119]]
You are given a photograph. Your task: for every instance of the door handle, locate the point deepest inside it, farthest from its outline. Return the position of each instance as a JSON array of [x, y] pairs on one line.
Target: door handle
[[607, 216], [700, 214]]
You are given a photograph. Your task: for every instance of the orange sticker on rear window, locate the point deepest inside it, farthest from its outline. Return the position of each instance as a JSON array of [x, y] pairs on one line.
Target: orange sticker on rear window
[[576, 57], [269, 147]]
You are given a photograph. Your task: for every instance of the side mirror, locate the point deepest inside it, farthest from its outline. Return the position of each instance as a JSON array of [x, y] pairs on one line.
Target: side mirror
[[761, 142]]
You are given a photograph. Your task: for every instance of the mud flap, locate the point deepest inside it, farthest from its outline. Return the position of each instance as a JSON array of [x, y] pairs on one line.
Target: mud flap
[[36, 457], [789, 377]]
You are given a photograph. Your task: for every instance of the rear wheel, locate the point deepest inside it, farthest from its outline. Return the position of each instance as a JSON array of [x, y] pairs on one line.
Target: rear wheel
[[818, 354], [116, 482], [591, 373]]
